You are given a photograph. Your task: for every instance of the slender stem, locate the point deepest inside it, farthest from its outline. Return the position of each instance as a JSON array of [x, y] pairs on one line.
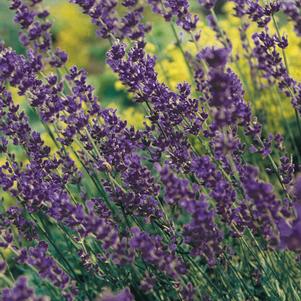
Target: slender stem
[[279, 37], [238, 275], [7, 280], [225, 41], [179, 44], [287, 68], [275, 168], [198, 268], [50, 239], [8, 268]]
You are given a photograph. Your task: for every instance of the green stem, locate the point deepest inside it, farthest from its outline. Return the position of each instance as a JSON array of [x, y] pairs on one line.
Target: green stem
[[238, 276], [179, 44], [291, 136], [212, 284], [287, 68]]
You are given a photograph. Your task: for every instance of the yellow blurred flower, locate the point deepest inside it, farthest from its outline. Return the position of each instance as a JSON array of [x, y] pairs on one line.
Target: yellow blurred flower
[[133, 117], [172, 69], [119, 85], [75, 32]]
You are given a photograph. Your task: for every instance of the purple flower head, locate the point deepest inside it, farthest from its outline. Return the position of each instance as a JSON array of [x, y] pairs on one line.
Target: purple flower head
[[3, 144], [176, 8], [124, 295], [208, 4], [214, 57], [272, 7], [260, 211], [35, 32], [109, 24], [148, 283], [259, 14], [225, 95], [128, 3], [202, 234], [46, 265], [20, 292], [24, 16], [59, 58], [287, 170], [292, 10], [176, 190], [290, 233], [188, 292], [153, 250], [15, 4], [297, 188], [240, 8]]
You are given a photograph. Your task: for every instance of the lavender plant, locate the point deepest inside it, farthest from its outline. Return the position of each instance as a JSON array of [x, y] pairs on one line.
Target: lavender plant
[[201, 203]]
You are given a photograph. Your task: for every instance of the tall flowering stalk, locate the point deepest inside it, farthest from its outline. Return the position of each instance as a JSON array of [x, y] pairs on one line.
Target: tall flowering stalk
[[196, 205]]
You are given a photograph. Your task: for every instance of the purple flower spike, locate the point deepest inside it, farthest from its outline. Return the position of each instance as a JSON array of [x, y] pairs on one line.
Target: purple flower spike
[[124, 295], [20, 292], [208, 4]]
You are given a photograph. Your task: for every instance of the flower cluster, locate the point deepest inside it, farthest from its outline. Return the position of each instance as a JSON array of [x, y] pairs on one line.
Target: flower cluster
[[110, 24], [20, 291], [179, 209]]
